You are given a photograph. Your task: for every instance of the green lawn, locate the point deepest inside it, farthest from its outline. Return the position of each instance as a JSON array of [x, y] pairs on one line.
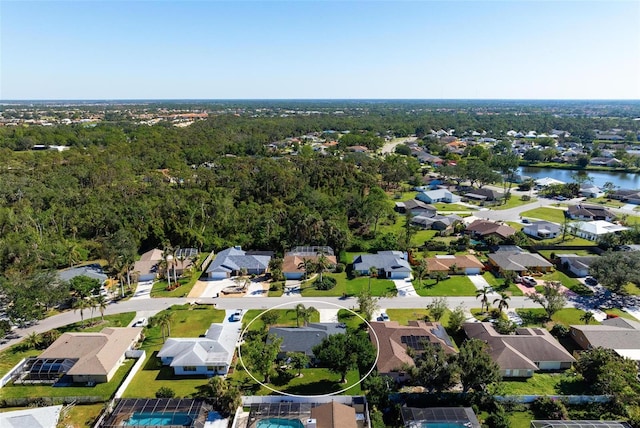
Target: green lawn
[[398, 227], [81, 415], [451, 207], [547, 253], [456, 285], [159, 288], [403, 316], [351, 287], [286, 317], [514, 201], [352, 321], [104, 390], [632, 289], [571, 283], [11, 356], [620, 313], [314, 381], [187, 321], [566, 316], [606, 202], [498, 285], [545, 213], [545, 384]]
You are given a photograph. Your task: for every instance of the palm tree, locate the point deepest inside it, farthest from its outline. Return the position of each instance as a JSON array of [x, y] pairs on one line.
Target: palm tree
[[502, 301], [484, 294], [322, 263], [166, 263], [421, 270], [101, 304], [306, 265], [300, 310], [80, 305], [373, 271], [587, 317], [32, 341], [163, 320], [73, 255]]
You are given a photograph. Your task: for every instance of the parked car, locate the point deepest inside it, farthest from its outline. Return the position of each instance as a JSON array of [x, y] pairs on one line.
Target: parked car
[[590, 281], [525, 220], [237, 316], [141, 322], [529, 281], [384, 317]]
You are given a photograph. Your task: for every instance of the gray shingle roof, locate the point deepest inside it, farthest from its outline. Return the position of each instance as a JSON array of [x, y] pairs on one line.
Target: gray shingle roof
[[387, 261], [234, 259], [518, 261], [613, 333], [303, 339]]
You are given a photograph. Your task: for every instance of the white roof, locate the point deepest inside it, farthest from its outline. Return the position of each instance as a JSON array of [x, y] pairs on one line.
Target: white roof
[[548, 181], [632, 354], [599, 227], [41, 417]]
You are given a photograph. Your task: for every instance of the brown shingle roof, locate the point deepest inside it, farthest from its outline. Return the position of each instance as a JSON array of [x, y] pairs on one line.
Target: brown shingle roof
[[436, 264], [485, 227], [334, 415], [97, 353], [392, 350]]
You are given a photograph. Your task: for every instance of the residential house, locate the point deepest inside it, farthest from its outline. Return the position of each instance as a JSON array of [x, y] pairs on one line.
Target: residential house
[[521, 354], [146, 269], [578, 265], [304, 339], [546, 182], [610, 162], [542, 229], [484, 194], [590, 191], [35, 417], [589, 212], [93, 271], [595, 230], [437, 195], [233, 261], [358, 149], [390, 264], [393, 339], [416, 207], [425, 157], [620, 334], [482, 229], [85, 357], [208, 355], [437, 222], [182, 259], [626, 195], [334, 415], [413, 417], [519, 262], [467, 264], [292, 263]]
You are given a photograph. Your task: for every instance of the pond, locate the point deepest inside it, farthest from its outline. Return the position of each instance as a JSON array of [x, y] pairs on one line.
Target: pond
[[624, 180]]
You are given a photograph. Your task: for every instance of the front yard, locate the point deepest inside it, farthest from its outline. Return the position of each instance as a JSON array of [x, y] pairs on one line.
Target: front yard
[[456, 285], [403, 316], [545, 213], [286, 317], [498, 285], [537, 316], [350, 287]]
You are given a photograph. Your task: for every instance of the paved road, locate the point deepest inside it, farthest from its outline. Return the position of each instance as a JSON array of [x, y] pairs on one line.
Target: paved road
[[391, 145]]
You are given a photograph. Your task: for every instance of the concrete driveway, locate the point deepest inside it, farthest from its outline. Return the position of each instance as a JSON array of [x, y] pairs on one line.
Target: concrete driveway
[[405, 288]]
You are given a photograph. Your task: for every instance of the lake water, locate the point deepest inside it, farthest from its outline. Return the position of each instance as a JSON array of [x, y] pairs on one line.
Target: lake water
[[624, 180]]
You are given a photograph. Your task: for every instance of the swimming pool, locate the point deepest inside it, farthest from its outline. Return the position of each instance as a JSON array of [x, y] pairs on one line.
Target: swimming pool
[[159, 419], [279, 423]]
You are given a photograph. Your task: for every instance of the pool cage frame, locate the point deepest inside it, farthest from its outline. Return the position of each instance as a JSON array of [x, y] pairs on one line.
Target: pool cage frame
[[125, 408], [44, 370], [283, 410], [414, 417]]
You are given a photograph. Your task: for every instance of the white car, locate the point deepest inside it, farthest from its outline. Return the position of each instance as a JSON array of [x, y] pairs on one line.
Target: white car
[[529, 281], [237, 316], [142, 322], [384, 317]]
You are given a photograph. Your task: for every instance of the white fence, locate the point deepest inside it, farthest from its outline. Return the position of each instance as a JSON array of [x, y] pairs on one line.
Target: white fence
[[9, 376], [141, 356], [260, 399]]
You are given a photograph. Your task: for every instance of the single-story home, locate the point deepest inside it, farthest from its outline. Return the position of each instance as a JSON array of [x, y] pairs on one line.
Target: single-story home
[[390, 264], [305, 338], [594, 230], [413, 417], [86, 357], [590, 191], [146, 269], [578, 265], [232, 261], [626, 195], [437, 195], [93, 271], [467, 264], [209, 355], [542, 229], [484, 194], [589, 212], [600, 161], [523, 353], [547, 181], [334, 415], [35, 417], [291, 264], [393, 339], [484, 228], [519, 262], [437, 222], [620, 334], [416, 207]]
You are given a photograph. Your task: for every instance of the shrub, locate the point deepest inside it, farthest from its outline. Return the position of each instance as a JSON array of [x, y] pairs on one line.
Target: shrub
[[560, 330], [436, 245], [327, 283], [276, 286], [505, 327], [165, 392], [495, 313], [339, 268], [525, 198], [549, 408]]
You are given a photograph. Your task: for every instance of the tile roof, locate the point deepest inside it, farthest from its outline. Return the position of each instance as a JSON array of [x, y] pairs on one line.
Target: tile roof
[[290, 263], [97, 353], [522, 350], [393, 339]]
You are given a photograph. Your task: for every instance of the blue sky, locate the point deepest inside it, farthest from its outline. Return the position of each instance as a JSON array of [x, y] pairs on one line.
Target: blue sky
[[547, 49]]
